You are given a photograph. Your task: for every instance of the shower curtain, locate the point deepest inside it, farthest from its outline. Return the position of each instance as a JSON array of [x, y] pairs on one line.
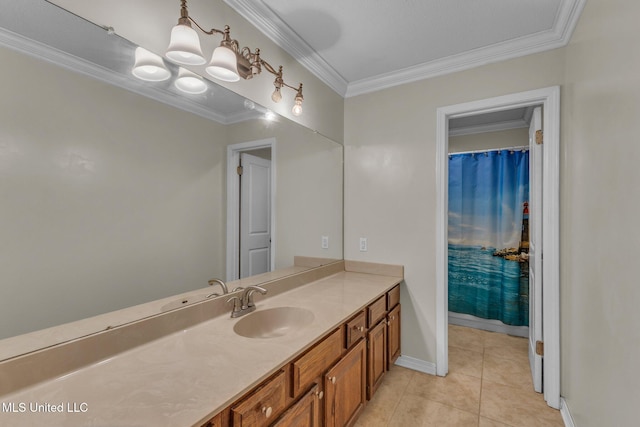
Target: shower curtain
[[489, 235]]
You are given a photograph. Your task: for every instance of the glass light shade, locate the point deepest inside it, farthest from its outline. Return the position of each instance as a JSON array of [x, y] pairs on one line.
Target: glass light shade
[[189, 82], [224, 65], [276, 96], [149, 66], [297, 108], [184, 47]]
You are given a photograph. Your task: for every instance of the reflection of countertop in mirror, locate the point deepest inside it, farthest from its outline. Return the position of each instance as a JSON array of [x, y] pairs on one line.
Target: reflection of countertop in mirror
[[26, 343], [187, 376]]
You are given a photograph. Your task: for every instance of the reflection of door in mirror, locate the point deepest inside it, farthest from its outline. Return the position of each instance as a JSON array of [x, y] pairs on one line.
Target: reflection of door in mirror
[[255, 212]]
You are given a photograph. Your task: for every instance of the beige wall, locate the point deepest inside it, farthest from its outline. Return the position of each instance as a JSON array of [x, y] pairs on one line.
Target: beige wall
[[390, 198], [390, 179], [489, 140], [108, 199], [309, 185], [600, 289]]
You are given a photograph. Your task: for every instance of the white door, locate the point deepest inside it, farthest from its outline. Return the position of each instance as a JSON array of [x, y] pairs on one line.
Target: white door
[[255, 215], [535, 248]]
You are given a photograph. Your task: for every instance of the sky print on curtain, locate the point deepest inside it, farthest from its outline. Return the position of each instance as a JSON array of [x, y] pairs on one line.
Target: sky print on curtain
[[487, 192]]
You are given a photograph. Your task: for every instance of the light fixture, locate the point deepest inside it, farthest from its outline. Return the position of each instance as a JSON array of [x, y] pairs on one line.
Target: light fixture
[[229, 62], [297, 107], [184, 47], [190, 82], [223, 65], [149, 66]]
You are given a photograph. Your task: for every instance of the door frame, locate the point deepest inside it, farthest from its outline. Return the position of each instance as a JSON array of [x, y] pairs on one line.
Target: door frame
[[549, 98], [233, 202]]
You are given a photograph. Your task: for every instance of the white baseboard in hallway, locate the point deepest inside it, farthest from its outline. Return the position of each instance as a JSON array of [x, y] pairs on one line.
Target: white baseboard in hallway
[[416, 364]]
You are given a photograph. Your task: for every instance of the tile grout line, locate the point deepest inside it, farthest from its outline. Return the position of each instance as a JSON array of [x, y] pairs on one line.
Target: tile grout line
[[402, 395]]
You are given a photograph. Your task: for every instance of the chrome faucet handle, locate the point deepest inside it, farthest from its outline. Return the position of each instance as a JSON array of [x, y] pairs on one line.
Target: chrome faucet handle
[[247, 296], [225, 290], [237, 306]]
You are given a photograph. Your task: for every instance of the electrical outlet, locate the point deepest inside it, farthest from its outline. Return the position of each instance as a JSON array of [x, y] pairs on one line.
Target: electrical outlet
[[363, 244], [325, 242]]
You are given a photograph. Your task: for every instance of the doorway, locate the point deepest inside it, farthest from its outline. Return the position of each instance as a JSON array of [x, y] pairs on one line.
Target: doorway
[[250, 208], [549, 98]]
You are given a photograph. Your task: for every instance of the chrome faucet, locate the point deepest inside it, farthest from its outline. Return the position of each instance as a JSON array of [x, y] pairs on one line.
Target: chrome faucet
[[225, 290], [244, 305]]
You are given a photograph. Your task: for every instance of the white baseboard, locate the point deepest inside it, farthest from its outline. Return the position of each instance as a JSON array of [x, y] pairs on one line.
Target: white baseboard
[[566, 414], [416, 364]]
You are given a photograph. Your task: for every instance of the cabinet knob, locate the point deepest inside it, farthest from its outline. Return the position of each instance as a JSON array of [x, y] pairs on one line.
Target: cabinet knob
[[332, 379], [267, 411], [320, 394]]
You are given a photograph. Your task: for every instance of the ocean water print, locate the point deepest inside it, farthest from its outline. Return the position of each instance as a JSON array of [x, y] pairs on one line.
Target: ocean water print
[[488, 286], [488, 235]]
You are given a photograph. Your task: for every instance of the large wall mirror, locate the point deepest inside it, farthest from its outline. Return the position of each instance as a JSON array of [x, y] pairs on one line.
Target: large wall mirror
[[114, 192]]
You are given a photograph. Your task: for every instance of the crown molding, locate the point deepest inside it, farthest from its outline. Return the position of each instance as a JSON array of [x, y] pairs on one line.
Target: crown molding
[[270, 24], [70, 62], [275, 29]]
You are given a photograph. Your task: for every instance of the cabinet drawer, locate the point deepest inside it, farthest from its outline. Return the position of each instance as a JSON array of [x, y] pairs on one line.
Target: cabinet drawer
[[355, 329], [263, 405], [304, 413], [316, 361], [393, 297], [376, 311]]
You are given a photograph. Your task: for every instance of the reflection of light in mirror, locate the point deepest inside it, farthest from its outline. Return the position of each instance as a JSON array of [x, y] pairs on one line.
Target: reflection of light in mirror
[[189, 82], [149, 66], [249, 105], [270, 115]]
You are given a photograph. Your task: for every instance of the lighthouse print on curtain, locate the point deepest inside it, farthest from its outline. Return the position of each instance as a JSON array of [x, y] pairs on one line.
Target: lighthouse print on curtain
[[489, 235]]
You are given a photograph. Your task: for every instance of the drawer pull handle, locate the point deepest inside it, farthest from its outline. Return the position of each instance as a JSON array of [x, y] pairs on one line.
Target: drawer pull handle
[[267, 411], [359, 328], [320, 394]]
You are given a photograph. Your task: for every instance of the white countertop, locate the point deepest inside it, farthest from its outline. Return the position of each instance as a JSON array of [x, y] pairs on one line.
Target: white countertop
[[185, 378]]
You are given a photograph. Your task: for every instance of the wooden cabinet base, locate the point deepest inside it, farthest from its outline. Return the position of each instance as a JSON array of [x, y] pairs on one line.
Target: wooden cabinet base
[[345, 388]]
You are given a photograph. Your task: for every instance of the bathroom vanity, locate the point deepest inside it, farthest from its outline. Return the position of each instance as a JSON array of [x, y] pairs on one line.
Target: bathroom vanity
[[312, 353]]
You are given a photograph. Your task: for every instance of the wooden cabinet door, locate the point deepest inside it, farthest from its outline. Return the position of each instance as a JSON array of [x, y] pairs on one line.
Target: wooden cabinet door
[[345, 388], [393, 336], [376, 357], [304, 413]]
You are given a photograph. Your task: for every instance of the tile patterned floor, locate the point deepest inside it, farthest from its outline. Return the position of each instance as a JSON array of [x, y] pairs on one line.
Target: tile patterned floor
[[488, 385]]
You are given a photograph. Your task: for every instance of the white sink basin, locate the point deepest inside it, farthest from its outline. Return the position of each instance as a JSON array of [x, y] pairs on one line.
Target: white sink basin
[[273, 322]]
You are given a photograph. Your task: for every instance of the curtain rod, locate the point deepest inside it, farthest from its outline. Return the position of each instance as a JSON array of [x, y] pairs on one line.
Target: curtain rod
[[520, 148]]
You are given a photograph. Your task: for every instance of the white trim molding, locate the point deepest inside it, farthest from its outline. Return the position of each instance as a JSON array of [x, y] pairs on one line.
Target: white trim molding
[[549, 98], [416, 364], [566, 413]]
